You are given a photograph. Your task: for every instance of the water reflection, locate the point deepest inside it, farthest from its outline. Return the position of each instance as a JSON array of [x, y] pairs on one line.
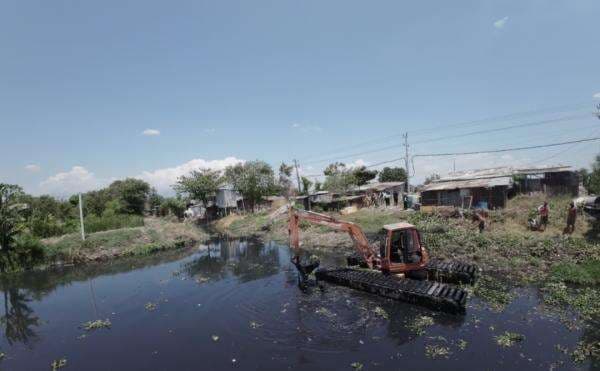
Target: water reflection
[[246, 260], [18, 320]]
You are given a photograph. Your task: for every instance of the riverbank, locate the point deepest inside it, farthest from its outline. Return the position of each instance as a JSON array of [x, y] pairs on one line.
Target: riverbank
[[507, 247], [157, 234]]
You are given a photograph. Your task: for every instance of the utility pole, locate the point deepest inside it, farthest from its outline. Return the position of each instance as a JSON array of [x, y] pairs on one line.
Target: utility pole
[[406, 162], [81, 218], [298, 176]]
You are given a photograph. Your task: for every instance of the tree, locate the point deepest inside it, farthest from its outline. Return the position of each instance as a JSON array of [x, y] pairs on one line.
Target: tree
[[362, 175], [131, 193], [154, 201], [338, 178], [253, 179], [199, 185], [11, 215], [433, 177], [318, 186], [306, 184], [334, 168], [591, 181], [392, 174], [285, 183], [174, 206]]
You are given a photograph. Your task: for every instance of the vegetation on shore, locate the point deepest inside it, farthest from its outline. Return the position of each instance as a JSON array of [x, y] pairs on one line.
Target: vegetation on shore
[[157, 234]]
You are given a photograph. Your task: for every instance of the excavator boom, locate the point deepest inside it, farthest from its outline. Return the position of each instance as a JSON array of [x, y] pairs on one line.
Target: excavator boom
[[361, 243]]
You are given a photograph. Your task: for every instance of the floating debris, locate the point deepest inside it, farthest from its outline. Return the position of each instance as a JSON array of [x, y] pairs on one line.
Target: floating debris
[[436, 351], [508, 339], [202, 279], [254, 325], [58, 363], [462, 344], [325, 312], [2, 355], [585, 350], [419, 324], [150, 306], [97, 324], [81, 337], [357, 366], [381, 312], [215, 337]]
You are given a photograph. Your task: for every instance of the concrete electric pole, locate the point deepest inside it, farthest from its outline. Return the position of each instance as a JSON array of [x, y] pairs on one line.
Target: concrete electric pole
[[81, 218], [406, 162]]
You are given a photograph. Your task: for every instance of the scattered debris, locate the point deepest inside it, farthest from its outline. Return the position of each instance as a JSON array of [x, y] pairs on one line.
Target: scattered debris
[[462, 344], [254, 325], [357, 366], [215, 337], [150, 306], [585, 350], [436, 351], [508, 339], [325, 312], [97, 324], [58, 363], [419, 324], [381, 312]]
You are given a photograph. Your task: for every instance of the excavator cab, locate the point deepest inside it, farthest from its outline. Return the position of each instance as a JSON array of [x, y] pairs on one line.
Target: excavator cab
[[401, 250]]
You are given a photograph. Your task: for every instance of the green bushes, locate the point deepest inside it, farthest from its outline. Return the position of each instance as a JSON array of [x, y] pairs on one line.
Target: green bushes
[[26, 252], [112, 221], [585, 273]]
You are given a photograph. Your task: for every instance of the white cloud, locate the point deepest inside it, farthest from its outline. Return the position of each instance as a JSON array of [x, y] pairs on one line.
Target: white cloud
[[307, 128], [78, 179], [163, 179], [151, 132], [596, 96], [209, 131], [33, 168], [500, 23], [358, 163]]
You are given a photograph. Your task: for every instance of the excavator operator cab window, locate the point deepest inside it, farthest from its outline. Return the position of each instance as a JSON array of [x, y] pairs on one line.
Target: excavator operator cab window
[[382, 243], [404, 247]]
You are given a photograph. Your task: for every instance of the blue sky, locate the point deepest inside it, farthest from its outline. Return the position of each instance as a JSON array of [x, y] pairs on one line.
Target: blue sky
[[219, 81]]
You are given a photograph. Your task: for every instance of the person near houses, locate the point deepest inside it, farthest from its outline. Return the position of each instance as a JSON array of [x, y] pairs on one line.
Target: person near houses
[[571, 218], [480, 217], [543, 211]]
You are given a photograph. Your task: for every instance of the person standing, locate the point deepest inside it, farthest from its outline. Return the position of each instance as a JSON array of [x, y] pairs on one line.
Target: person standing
[[571, 218], [544, 211]]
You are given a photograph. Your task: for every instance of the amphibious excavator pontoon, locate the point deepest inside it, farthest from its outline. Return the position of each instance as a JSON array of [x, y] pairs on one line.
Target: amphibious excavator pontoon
[[397, 266]]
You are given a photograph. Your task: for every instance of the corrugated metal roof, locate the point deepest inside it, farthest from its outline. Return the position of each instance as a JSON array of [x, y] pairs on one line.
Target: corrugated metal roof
[[474, 183], [382, 186], [503, 172], [396, 226]]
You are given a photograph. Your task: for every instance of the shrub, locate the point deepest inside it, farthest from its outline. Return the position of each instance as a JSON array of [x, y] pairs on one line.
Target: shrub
[[112, 221], [27, 251]]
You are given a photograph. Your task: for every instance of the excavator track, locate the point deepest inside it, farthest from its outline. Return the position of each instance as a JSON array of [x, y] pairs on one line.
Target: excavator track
[[451, 271], [435, 295]]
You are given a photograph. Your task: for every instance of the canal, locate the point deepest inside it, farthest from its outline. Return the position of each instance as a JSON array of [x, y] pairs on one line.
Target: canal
[[234, 304]]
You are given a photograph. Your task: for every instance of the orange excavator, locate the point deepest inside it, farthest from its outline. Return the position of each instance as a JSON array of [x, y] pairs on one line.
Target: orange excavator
[[396, 266]]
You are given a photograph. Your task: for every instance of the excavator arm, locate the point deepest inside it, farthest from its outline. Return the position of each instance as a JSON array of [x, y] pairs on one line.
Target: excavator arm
[[361, 243]]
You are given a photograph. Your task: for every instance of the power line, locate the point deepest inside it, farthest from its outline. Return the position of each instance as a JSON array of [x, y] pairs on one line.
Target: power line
[[534, 123], [462, 124], [506, 149], [478, 132]]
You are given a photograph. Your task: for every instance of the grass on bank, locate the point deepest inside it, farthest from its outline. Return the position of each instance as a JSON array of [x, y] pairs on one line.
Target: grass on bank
[[156, 235]]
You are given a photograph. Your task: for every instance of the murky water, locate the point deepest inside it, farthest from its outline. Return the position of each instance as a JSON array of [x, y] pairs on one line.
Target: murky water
[[235, 305]]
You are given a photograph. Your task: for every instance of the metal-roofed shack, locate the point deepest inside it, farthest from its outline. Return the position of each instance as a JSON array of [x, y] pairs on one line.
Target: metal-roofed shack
[[491, 188]]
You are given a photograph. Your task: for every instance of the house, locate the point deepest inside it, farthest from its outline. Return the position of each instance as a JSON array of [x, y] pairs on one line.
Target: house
[[227, 198], [491, 188], [394, 189]]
